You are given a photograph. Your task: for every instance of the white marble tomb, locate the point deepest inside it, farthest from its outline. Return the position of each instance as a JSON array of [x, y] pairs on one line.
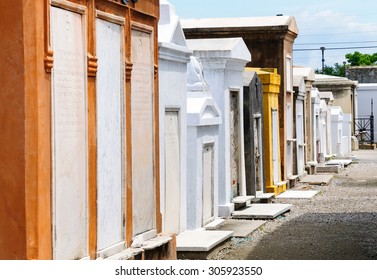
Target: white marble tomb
[[173, 59], [223, 63], [325, 123], [315, 119], [299, 100], [203, 119], [337, 131]]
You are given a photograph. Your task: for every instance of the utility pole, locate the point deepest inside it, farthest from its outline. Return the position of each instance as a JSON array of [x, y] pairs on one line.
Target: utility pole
[[323, 59], [344, 67]]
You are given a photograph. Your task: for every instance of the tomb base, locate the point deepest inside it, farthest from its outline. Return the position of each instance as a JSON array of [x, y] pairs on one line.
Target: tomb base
[[311, 168], [161, 247], [226, 210], [277, 189]]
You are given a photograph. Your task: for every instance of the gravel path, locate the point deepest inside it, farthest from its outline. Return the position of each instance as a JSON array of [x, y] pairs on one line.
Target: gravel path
[[338, 223]]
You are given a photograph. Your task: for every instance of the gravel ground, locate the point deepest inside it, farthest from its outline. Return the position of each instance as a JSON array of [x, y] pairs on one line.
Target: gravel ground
[[339, 223]]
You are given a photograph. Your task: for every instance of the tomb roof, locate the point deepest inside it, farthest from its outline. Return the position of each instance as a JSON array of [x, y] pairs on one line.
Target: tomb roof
[[287, 22]]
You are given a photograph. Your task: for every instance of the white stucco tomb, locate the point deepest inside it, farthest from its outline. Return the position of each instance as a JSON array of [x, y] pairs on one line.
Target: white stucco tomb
[[315, 119], [203, 120], [69, 136], [299, 100], [173, 58], [325, 124], [223, 63], [337, 131]]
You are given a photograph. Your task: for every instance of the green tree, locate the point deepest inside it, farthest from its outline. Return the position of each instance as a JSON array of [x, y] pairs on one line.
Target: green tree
[[336, 70], [361, 59]]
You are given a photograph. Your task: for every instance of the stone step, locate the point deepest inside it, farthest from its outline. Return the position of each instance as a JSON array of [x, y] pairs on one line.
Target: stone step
[[214, 225], [297, 194], [242, 201], [342, 162], [317, 179], [328, 169], [262, 211], [241, 228], [264, 198], [293, 180], [197, 244]]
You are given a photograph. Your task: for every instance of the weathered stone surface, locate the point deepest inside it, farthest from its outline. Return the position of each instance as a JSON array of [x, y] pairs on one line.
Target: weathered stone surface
[[69, 136], [142, 127], [109, 135]]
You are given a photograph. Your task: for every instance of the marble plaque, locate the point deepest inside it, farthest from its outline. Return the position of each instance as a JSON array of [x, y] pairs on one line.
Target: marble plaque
[[109, 135], [69, 109], [172, 173], [208, 188], [142, 126]]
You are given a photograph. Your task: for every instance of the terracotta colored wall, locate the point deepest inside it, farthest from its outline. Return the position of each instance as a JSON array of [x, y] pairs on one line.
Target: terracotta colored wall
[[151, 7], [12, 140]]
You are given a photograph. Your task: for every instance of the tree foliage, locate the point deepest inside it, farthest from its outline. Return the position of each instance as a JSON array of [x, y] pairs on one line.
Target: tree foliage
[[336, 70], [361, 59]]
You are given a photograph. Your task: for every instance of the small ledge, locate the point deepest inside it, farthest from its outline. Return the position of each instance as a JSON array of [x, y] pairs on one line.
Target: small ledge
[[147, 245], [243, 199], [213, 225]]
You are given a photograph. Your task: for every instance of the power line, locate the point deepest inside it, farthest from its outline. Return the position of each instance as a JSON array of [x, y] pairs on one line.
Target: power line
[[344, 48], [336, 43]]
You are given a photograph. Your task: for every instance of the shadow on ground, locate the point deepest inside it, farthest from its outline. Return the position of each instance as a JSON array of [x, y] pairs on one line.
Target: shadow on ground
[[321, 236]]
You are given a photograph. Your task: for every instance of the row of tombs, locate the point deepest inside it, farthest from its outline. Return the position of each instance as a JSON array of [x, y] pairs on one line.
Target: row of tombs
[[228, 149], [126, 139]]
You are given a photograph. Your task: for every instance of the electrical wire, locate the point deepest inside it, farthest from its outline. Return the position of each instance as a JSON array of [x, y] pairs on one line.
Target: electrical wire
[[329, 49], [334, 43]]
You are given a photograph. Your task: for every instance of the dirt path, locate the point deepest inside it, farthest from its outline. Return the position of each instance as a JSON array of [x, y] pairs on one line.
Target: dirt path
[[338, 223]]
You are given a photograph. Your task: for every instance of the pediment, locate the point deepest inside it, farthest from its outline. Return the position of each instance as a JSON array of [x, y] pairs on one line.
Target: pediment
[[209, 112]]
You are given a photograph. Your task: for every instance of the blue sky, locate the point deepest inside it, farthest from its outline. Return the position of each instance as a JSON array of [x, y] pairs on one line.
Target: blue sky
[[329, 24]]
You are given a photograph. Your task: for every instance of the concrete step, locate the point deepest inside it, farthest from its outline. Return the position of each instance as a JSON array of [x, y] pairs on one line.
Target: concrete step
[[197, 244], [264, 198], [341, 162], [317, 179], [262, 211], [293, 180], [214, 225], [328, 169], [241, 228], [297, 194], [242, 201]]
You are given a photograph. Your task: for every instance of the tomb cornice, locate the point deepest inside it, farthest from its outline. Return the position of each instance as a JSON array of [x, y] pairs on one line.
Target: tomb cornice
[[300, 95], [173, 52]]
